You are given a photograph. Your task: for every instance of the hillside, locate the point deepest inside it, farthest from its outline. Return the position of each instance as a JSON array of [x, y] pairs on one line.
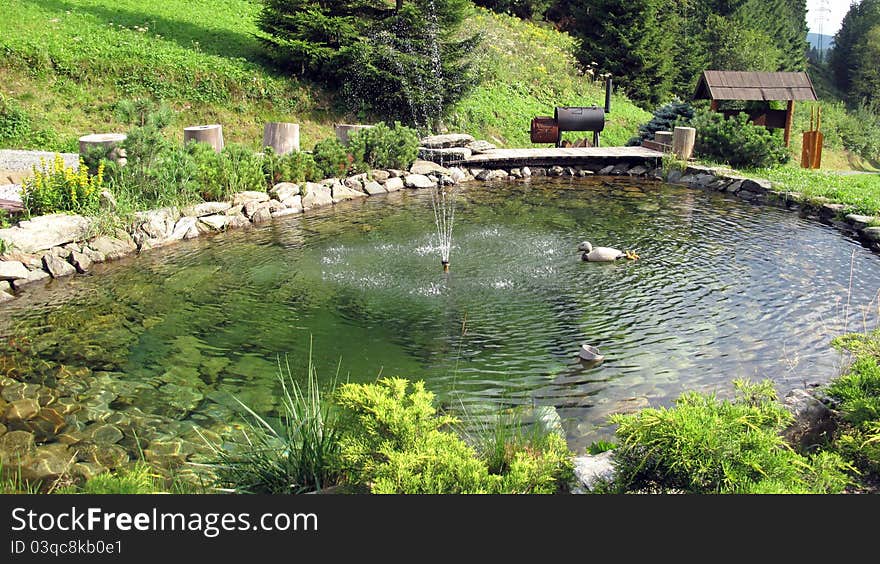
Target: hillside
[[68, 62]]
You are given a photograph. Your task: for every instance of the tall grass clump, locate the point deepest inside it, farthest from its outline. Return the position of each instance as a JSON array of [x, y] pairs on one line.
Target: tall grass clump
[[297, 453], [705, 445]]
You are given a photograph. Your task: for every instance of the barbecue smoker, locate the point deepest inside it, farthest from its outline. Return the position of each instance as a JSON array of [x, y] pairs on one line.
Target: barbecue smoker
[[546, 129]]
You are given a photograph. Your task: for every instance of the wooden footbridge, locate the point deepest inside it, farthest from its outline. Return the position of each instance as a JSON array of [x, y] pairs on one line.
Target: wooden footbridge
[[563, 156]]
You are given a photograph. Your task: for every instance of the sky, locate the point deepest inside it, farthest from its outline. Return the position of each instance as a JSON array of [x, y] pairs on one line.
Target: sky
[[832, 18]]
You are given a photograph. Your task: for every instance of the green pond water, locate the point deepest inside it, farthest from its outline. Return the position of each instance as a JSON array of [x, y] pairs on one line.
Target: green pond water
[[162, 342]]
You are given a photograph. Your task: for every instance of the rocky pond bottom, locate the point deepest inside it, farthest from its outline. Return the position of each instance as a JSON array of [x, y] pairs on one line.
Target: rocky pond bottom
[[149, 353]]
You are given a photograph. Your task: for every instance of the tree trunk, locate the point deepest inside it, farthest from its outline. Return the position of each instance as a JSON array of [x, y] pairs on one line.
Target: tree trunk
[[210, 134], [282, 137], [399, 5], [344, 130], [683, 139]]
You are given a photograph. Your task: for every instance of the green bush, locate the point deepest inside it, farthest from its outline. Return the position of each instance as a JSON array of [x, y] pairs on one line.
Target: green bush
[[382, 146], [56, 187], [138, 478], [703, 445], [332, 158], [736, 141], [396, 442], [295, 166], [14, 122], [235, 169]]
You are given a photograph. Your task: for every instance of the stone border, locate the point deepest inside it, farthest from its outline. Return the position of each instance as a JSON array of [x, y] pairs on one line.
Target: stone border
[[59, 245]]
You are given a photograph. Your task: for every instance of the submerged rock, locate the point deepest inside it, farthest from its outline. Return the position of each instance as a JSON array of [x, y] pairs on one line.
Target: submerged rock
[[590, 470]]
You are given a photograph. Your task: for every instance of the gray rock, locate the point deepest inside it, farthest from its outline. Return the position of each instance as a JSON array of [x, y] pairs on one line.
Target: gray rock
[[526, 172], [286, 211], [871, 233], [829, 211], [46, 231], [394, 184], [590, 470], [620, 169], [294, 204], [242, 198], [261, 215], [185, 228], [341, 193], [427, 167], [379, 176], [316, 196], [15, 445], [206, 208], [605, 171], [215, 222], [236, 221], [107, 200], [57, 267], [448, 140], [860, 221], [418, 181], [373, 188], [112, 247], [813, 420], [60, 252], [33, 276], [12, 270], [81, 262], [457, 174], [450, 154], [234, 210], [104, 433], [555, 171], [516, 173], [157, 224], [480, 146], [274, 206], [638, 171], [756, 186], [251, 207], [492, 175], [284, 190], [355, 182], [674, 176]]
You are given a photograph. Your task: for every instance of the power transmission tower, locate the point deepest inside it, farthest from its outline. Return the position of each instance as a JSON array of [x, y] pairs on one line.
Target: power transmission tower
[[822, 13]]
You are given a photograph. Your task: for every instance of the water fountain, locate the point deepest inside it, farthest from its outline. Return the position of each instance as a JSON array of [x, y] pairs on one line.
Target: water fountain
[[443, 204]]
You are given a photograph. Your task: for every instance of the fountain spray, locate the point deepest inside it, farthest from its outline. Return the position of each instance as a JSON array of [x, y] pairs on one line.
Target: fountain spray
[[443, 203]]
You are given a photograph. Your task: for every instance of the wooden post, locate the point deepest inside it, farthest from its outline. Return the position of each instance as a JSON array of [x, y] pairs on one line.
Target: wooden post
[[714, 106], [664, 137], [210, 134], [789, 117], [110, 142], [282, 137], [683, 139]]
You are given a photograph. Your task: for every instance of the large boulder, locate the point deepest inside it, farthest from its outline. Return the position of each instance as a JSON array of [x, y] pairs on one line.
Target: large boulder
[[284, 190], [450, 154], [241, 198], [428, 167], [46, 231], [206, 208], [12, 270], [57, 267], [113, 247], [813, 420], [419, 181], [393, 184], [444, 141], [317, 195], [341, 192]]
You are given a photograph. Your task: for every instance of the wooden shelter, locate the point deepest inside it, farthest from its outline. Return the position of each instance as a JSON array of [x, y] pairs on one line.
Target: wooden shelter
[[758, 87]]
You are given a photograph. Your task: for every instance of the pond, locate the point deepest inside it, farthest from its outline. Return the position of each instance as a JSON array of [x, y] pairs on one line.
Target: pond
[[164, 341]]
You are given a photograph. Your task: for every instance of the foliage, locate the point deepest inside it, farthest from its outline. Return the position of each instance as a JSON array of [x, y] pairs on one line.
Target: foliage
[[857, 397], [738, 47], [665, 119], [703, 445], [853, 58], [14, 121], [332, 158], [736, 141], [525, 9], [55, 187], [295, 166], [139, 478], [400, 61], [299, 453], [235, 169], [382, 146], [398, 443]]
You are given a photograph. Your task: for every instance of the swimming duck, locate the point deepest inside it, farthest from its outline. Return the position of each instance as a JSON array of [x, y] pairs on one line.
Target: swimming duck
[[599, 254]]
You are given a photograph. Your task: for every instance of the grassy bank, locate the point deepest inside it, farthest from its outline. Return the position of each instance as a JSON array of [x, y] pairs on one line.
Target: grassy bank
[[66, 63], [860, 192]]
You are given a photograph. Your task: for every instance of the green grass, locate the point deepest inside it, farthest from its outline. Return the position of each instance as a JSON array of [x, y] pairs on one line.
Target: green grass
[[528, 69], [861, 192], [67, 63]]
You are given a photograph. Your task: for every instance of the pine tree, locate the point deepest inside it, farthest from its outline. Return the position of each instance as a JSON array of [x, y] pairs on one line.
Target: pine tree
[[401, 60], [844, 59]]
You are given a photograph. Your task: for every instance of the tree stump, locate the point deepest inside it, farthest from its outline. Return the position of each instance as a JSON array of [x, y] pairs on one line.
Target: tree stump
[[282, 137], [683, 139], [110, 143], [210, 134], [344, 131], [664, 137]]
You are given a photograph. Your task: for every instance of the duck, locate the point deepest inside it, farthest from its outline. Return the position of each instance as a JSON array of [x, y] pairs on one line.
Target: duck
[[589, 352], [600, 254]]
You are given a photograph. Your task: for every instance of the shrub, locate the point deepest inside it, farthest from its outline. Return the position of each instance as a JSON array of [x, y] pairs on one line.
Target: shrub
[[297, 454], [332, 158], [736, 141], [665, 118], [56, 187], [138, 478], [398, 443], [382, 146], [703, 445], [14, 122], [295, 166], [235, 169]]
